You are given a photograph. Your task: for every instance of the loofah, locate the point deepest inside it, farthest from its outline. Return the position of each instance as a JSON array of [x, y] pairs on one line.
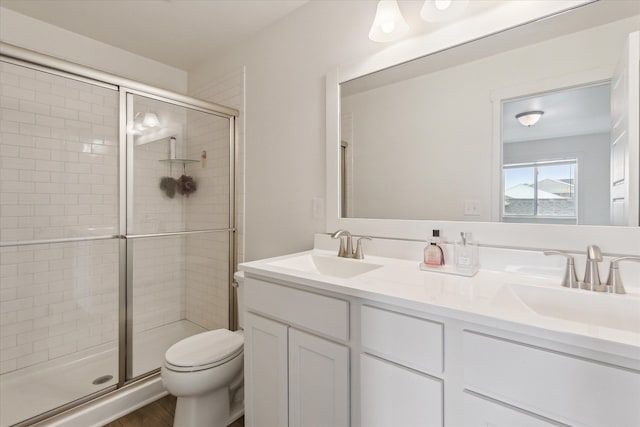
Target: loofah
[[169, 186], [185, 185]]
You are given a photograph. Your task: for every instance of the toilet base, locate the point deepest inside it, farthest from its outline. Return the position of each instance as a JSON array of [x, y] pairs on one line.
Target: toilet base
[[210, 410]]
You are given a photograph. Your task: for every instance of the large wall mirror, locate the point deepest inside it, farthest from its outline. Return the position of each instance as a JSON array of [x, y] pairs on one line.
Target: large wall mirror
[[437, 138]]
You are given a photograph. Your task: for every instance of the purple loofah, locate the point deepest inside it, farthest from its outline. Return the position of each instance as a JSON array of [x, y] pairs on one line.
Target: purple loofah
[[185, 185]]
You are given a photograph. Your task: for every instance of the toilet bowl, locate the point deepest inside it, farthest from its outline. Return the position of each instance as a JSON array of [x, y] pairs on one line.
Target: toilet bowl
[[205, 373]]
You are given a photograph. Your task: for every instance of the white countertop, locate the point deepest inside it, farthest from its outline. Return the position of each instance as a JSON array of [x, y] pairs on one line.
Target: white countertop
[[517, 302]]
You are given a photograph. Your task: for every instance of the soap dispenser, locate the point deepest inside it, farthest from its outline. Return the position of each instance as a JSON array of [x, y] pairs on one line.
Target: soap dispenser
[[466, 253], [433, 253]]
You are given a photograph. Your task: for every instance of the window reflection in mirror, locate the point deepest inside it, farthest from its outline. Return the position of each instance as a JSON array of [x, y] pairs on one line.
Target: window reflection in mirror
[[427, 140], [557, 170]]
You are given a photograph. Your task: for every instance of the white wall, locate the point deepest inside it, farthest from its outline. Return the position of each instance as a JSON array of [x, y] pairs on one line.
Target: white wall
[[285, 124], [30, 33]]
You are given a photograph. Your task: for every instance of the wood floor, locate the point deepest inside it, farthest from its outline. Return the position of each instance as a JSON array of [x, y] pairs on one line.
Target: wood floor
[[156, 414]]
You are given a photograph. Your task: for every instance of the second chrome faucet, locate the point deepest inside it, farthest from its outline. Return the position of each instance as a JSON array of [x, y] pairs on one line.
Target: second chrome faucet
[[348, 251], [592, 280]]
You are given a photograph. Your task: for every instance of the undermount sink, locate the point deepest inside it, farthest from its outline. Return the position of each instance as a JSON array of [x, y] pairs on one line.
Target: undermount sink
[[593, 308], [344, 268]]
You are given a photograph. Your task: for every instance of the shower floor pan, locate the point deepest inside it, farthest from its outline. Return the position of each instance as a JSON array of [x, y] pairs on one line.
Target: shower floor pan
[[31, 391]]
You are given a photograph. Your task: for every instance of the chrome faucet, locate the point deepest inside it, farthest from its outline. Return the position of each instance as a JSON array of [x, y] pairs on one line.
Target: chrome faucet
[[592, 274], [592, 280], [614, 282], [342, 252], [348, 252]]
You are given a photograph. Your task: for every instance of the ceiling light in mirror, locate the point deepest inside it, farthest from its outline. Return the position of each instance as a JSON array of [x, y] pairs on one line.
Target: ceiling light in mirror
[[529, 118], [442, 10], [388, 25]]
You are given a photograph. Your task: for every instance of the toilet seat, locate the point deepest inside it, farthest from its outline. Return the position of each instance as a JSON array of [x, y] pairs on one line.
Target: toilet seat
[[204, 351]]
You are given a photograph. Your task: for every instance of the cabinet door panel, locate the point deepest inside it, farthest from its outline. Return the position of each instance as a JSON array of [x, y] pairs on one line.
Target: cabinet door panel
[[395, 396], [318, 381], [480, 412], [265, 362]]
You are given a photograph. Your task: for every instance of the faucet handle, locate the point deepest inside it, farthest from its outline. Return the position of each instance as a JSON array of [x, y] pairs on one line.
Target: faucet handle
[[570, 279], [359, 254], [614, 282]]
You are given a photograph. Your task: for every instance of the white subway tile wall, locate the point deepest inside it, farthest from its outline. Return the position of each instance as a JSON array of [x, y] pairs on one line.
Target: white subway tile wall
[[58, 164], [229, 90], [56, 299], [207, 284], [58, 178]]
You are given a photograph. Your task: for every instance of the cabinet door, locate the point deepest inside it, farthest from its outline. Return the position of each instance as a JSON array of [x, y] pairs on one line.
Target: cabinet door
[[265, 364], [392, 395], [481, 412], [318, 381]]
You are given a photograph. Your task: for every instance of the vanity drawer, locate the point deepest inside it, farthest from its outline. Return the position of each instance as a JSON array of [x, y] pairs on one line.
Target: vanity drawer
[[482, 412], [406, 340], [558, 386], [391, 395], [319, 313]]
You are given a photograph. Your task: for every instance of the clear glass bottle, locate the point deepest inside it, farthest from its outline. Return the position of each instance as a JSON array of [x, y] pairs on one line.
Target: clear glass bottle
[[433, 253], [466, 253]]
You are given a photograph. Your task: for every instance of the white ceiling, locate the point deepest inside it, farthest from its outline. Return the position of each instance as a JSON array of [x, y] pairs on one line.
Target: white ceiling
[[576, 111], [181, 33]]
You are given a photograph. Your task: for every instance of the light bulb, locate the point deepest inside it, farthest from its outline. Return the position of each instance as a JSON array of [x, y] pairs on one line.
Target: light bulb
[[442, 10], [442, 4], [388, 25]]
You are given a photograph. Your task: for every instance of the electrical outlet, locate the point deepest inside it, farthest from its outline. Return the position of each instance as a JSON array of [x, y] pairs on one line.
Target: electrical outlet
[[472, 208]]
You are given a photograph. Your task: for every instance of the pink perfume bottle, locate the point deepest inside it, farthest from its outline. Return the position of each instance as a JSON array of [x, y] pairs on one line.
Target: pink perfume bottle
[[433, 253]]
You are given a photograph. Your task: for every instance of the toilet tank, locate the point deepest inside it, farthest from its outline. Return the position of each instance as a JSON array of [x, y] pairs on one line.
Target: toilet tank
[[238, 278]]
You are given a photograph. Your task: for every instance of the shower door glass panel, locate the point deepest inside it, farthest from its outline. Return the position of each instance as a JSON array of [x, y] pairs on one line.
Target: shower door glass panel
[[59, 156], [179, 288], [180, 161], [59, 254]]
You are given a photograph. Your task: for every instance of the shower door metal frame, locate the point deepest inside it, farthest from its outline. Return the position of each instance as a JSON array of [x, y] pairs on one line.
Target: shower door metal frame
[[45, 63], [126, 218]]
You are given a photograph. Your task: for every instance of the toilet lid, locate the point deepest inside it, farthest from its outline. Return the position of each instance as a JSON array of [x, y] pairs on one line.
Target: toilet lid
[[204, 348]]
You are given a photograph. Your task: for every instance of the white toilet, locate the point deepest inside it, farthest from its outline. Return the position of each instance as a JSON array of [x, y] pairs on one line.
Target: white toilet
[[205, 373]]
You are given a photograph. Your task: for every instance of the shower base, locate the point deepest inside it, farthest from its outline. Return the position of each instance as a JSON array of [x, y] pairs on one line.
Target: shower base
[[31, 391]]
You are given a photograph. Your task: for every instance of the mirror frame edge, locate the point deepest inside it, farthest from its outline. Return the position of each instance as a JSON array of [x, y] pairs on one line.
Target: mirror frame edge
[[613, 240]]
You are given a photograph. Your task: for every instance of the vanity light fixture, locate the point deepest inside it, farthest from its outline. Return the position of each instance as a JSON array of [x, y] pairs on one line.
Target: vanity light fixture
[[529, 118], [388, 25], [442, 10]]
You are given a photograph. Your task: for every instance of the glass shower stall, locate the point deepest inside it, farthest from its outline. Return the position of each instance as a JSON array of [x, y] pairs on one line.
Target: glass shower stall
[[116, 231]]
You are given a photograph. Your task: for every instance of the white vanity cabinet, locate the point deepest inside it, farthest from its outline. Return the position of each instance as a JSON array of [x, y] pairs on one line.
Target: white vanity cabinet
[[294, 377], [403, 355], [330, 356]]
